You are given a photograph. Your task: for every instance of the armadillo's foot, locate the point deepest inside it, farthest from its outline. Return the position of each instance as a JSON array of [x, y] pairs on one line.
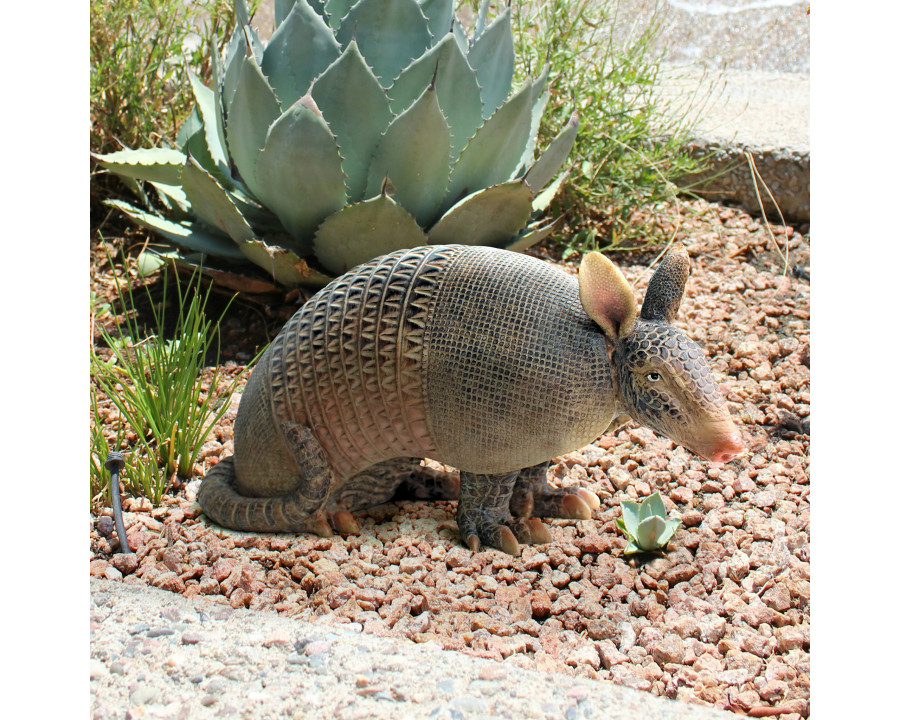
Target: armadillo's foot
[[533, 497], [344, 522], [483, 512], [500, 537], [530, 531]]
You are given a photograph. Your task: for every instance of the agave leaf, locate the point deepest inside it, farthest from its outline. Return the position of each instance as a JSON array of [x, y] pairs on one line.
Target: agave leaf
[[285, 267], [211, 203], [299, 172], [552, 159], [488, 217], [415, 154], [653, 505], [182, 234], [281, 9], [356, 109], [481, 19], [492, 57], [671, 527], [439, 14], [213, 130], [459, 34], [337, 10], [457, 90], [539, 87], [539, 103], [242, 12], [492, 155], [389, 34], [301, 48], [649, 531], [252, 112], [632, 549], [533, 235], [630, 516], [174, 199], [153, 164], [365, 230], [545, 197], [235, 52]]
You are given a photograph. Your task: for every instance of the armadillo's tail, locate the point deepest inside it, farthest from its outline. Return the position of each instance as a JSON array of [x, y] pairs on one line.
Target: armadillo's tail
[[287, 513]]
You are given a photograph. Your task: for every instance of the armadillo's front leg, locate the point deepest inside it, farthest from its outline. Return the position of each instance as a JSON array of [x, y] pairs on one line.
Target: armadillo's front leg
[[533, 497], [483, 514]]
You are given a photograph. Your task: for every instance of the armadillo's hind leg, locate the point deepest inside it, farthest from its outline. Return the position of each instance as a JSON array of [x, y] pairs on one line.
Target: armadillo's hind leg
[[483, 514], [298, 511], [533, 497], [426, 483]]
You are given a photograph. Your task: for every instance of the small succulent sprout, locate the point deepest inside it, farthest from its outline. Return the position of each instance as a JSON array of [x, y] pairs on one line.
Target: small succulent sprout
[[645, 525]]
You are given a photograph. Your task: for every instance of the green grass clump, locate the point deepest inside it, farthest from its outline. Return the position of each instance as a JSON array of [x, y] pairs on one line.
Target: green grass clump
[[629, 153], [155, 384]]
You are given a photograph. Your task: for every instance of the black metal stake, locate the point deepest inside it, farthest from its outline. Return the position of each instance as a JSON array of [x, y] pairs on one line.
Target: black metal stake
[[115, 461]]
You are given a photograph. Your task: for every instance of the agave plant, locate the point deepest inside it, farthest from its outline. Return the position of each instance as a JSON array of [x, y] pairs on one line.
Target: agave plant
[[645, 524], [361, 127]]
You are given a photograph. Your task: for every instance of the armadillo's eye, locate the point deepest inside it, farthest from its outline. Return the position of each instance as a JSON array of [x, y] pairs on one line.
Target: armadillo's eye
[[654, 377]]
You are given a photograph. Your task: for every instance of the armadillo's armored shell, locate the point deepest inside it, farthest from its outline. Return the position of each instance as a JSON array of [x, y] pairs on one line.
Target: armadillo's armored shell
[[477, 357]]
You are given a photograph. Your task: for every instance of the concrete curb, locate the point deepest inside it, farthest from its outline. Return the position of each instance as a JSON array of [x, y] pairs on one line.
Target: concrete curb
[[159, 654], [765, 114]]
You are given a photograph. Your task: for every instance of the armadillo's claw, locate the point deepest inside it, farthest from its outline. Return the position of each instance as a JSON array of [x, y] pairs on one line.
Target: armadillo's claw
[[575, 508], [538, 533], [318, 524], [508, 542], [344, 522], [498, 536], [592, 501]]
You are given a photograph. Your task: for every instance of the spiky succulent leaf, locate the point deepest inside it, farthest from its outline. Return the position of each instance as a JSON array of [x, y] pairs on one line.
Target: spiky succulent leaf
[[389, 34], [185, 235], [211, 202], [174, 200], [439, 14], [365, 230], [533, 235], [649, 531], [545, 197], [357, 111], [487, 217], [457, 89], [492, 155], [152, 164], [253, 110], [492, 57], [337, 10], [299, 50], [415, 154], [209, 111], [299, 172], [553, 157], [285, 266]]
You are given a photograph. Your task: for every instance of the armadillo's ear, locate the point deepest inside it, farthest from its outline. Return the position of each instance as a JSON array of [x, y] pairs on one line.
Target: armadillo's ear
[[606, 295], [666, 287]]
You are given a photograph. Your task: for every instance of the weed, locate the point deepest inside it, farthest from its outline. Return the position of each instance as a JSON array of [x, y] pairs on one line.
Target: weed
[[630, 151], [155, 384]]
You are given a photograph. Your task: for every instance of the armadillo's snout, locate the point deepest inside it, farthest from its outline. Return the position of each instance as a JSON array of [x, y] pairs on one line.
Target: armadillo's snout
[[728, 446]]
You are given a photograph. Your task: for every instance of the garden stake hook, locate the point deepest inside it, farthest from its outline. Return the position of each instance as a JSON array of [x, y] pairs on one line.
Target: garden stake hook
[[115, 461]]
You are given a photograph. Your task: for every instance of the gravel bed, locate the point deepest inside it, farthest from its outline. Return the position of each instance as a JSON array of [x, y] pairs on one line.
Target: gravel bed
[[721, 619]]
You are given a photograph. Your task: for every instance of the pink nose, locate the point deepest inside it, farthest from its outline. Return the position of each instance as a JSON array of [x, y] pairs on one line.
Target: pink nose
[[728, 448]]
